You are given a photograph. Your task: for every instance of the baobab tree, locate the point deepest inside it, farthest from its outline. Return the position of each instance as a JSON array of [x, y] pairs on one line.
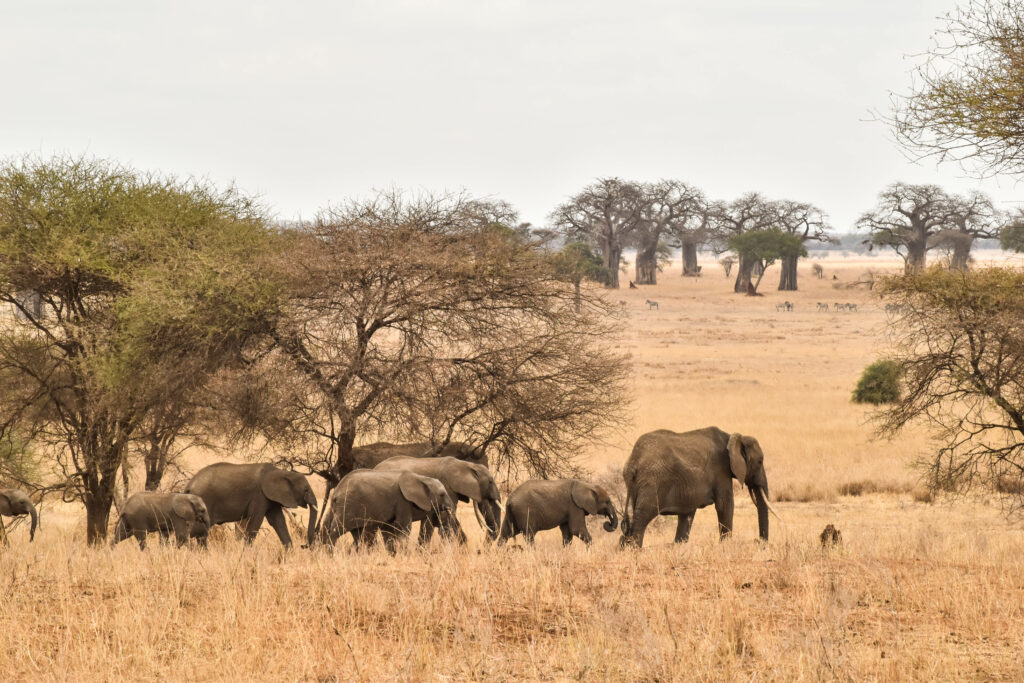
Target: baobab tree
[[804, 221], [905, 217], [967, 219], [668, 207], [749, 213], [606, 214]]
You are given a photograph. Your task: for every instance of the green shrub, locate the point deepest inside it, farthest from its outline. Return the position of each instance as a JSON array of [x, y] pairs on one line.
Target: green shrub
[[879, 383]]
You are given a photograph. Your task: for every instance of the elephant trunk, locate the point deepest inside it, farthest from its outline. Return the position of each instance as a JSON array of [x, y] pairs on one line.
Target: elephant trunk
[[491, 510], [613, 522], [760, 496], [35, 522], [311, 526]]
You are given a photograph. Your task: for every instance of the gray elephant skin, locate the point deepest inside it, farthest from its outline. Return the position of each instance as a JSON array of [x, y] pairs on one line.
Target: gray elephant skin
[[252, 493], [671, 473], [373, 454], [541, 504], [146, 512], [465, 482], [366, 501], [14, 503]]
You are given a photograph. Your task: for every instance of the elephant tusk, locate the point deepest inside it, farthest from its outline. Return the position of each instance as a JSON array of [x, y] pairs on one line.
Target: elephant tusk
[[479, 517], [770, 508], [500, 506]]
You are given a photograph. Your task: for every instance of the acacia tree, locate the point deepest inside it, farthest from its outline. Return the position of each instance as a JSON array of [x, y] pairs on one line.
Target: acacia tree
[[905, 218], [750, 213], [667, 207], [967, 219], [804, 221], [967, 102], [144, 287], [606, 214], [959, 340], [406, 320], [1011, 237], [577, 262]]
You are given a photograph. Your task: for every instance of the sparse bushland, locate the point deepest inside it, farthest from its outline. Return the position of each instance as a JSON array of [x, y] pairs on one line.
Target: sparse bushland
[[959, 342]]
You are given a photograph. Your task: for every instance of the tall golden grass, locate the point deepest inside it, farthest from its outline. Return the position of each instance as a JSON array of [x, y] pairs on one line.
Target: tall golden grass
[[918, 589]]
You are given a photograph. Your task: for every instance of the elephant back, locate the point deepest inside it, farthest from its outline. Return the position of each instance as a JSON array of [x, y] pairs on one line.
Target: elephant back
[[226, 488]]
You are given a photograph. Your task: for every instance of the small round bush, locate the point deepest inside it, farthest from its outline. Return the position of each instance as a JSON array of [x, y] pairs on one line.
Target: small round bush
[[879, 383]]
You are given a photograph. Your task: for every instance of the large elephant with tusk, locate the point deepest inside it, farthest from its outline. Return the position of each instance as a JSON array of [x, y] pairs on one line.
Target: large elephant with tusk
[[675, 473], [464, 481]]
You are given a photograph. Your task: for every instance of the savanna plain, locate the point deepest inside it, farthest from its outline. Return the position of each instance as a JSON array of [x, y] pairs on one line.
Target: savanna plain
[[921, 587]]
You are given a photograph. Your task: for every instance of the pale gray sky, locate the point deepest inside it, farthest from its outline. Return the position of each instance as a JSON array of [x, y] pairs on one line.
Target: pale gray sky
[[311, 102]]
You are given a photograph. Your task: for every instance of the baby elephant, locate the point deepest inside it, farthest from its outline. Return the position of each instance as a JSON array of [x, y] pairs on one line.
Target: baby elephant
[[548, 503], [149, 511]]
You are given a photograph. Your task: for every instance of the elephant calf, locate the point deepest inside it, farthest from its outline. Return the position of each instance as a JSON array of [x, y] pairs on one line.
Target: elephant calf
[[148, 511], [366, 501], [541, 504], [12, 504]]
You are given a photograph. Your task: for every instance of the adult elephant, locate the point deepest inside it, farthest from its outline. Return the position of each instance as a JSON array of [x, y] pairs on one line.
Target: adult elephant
[[366, 501], [234, 493], [14, 503], [148, 511], [541, 504], [465, 482], [373, 454], [671, 473]]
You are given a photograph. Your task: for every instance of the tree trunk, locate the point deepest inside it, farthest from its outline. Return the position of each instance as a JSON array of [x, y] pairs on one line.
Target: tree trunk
[[917, 255], [961, 253], [97, 512], [787, 279], [743, 273], [156, 463], [647, 266], [578, 296], [612, 256], [690, 267]]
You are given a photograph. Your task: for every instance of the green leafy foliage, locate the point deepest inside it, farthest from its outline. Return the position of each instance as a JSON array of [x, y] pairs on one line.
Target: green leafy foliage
[[577, 261], [767, 245], [879, 383]]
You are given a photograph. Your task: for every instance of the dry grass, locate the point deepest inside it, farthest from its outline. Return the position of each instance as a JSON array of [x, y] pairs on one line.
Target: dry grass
[[920, 589]]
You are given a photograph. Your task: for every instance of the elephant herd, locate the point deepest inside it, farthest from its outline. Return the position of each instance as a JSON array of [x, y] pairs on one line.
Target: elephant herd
[[667, 473]]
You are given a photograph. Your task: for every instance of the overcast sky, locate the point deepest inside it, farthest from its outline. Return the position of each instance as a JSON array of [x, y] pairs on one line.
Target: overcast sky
[[305, 103]]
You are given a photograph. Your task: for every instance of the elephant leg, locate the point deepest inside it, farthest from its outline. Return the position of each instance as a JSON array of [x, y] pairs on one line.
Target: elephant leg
[[251, 526], [507, 530], [120, 532], [724, 508], [566, 533], [529, 534], [578, 525], [140, 536], [181, 529], [427, 529], [453, 529], [275, 515], [683, 527], [642, 516]]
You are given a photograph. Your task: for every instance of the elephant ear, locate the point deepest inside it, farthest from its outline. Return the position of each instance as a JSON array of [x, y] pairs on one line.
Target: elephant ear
[[415, 490], [466, 482], [585, 497], [277, 487], [737, 461], [182, 507]]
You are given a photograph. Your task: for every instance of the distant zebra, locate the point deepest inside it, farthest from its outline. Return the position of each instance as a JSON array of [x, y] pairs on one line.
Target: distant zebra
[[822, 306], [819, 272], [651, 304], [851, 307], [784, 306]]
